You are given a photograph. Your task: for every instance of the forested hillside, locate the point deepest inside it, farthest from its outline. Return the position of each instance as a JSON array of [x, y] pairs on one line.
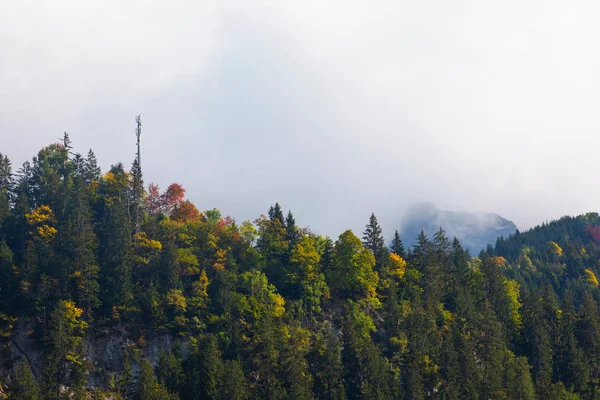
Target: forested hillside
[[110, 288]]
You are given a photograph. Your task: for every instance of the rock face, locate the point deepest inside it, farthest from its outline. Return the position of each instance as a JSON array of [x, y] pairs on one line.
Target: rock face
[[105, 355], [474, 230]]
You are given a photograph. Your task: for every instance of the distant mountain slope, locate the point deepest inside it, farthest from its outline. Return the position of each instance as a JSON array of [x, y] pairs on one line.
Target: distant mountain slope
[[474, 230], [579, 231], [564, 254]]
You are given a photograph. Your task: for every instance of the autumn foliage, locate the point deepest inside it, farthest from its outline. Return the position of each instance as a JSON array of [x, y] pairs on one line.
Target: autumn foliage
[[186, 212], [594, 232], [171, 202], [498, 261]]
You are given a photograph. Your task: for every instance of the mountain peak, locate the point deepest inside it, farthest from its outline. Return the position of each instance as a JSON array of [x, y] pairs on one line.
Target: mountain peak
[[474, 230]]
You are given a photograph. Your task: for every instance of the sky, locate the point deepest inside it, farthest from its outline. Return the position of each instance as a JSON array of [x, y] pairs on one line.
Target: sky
[[333, 109]]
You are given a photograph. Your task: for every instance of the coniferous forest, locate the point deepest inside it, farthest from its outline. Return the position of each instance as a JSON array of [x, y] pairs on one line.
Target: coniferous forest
[[114, 289]]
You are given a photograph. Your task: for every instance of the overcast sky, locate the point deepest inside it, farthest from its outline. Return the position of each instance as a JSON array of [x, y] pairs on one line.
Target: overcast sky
[[335, 109]]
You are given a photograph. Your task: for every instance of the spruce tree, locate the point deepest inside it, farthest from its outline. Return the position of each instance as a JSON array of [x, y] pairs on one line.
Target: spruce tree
[[6, 176], [275, 213], [234, 383], [147, 387], [421, 252], [6, 187], [327, 255], [397, 246], [571, 365], [24, 385], [441, 242], [373, 241], [326, 364], [64, 359], [115, 233], [8, 282], [460, 261], [294, 366], [212, 367], [76, 245], [136, 195], [169, 370], [518, 379], [292, 231], [91, 169], [588, 335]]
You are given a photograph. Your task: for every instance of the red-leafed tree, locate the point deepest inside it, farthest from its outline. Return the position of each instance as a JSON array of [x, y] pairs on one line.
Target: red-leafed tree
[[154, 202], [594, 232], [223, 222], [170, 202]]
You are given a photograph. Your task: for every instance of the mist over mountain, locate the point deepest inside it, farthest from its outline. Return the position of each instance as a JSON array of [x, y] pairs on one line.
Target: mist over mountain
[[474, 230]]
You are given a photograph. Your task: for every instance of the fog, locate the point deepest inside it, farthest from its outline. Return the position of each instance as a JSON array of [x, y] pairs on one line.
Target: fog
[[333, 110]]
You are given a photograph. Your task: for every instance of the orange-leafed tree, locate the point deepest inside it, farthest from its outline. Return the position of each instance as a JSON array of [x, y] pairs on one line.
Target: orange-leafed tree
[[173, 196], [186, 212], [169, 201]]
